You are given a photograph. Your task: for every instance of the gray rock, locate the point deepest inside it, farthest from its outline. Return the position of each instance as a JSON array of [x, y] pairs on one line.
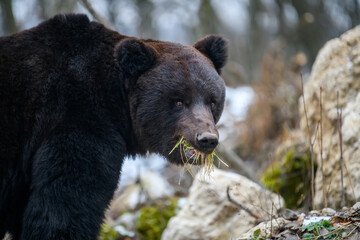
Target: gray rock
[[355, 207], [328, 212], [314, 213], [287, 235], [266, 229], [208, 214], [337, 68], [292, 226], [288, 214]]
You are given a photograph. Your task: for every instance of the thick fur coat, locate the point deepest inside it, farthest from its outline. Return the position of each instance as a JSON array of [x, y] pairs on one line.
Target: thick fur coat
[[75, 99]]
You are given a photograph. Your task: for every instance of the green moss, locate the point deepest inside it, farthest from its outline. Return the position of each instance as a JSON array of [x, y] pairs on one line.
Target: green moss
[[108, 233], [290, 176], [154, 219]]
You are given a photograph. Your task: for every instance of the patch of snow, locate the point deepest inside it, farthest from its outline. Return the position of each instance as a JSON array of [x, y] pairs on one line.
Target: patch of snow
[[123, 232], [237, 103], [155, 185], [309, 220], [181, 202], [134, 167]]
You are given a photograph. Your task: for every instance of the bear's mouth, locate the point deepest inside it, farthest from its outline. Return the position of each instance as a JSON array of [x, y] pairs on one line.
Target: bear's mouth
[[192, 156], [188, 153]]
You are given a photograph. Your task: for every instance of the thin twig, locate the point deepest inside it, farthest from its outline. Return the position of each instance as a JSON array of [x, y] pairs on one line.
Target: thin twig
[[339, 119], [348, 235], [328, 188], [261, 196], [321, 153], [271, 230], [241, 205], [316, 133], [311, 146]]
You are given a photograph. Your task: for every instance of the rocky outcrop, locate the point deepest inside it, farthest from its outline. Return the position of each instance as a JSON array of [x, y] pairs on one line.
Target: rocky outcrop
[[336, 69], [208, 213]]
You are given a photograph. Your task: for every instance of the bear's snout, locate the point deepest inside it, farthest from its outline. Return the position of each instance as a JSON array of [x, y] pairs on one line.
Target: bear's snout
[[206, 141]]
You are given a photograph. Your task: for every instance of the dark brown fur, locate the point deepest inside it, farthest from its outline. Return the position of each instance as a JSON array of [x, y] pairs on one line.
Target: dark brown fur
[[75, 99]]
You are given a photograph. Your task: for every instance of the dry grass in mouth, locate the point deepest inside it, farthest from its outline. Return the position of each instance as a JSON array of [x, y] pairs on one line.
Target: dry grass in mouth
[[190, 155]]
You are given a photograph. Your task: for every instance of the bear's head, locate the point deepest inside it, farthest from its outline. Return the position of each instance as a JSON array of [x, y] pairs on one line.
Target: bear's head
[[174, 91]]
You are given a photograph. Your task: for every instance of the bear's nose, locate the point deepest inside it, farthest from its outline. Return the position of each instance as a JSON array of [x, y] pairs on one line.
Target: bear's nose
[[207, 141]]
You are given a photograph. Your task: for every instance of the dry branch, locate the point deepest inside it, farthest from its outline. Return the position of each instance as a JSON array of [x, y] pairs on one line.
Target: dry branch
[[339, 119], [311, 145], [242, 206], [321, 153]]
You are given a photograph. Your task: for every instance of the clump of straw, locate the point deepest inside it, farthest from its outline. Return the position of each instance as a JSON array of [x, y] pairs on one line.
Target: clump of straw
[[196, 157]]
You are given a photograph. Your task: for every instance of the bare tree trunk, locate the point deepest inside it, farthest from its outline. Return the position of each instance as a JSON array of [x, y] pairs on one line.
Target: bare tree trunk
[[8, 20], [146, 29]]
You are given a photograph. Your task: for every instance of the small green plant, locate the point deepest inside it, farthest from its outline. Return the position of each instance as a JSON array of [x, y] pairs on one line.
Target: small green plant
[[154, 219], [108, 233], [313, 231], [256, 235], [289, 176], [190, 155]]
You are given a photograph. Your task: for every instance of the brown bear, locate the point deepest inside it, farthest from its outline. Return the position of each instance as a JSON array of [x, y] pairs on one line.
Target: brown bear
[[75, 99]]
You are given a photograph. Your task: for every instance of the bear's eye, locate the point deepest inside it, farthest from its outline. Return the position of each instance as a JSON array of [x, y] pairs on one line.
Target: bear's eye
[[179, 103], [213, 104]]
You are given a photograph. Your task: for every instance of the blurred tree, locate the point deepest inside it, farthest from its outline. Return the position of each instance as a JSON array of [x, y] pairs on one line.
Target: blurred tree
[[48, 8], [352, 9], [209, 21], [303, 26], [145, 9], [8, 20]]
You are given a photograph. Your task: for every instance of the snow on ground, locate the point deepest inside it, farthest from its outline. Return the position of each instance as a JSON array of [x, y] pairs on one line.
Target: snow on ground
[[132, 168], [236, 105]]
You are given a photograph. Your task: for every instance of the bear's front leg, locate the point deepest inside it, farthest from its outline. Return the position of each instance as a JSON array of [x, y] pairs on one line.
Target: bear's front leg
[[74, 175]]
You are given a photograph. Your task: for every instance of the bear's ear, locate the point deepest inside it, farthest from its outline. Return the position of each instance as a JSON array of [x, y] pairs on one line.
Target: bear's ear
[[215, 48], [135, 57]]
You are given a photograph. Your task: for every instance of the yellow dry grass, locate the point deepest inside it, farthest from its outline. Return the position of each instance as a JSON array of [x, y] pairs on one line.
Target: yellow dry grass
[[197, 157]]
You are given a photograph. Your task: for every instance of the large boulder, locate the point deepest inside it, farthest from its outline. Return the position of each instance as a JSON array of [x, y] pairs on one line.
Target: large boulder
[[336, 69], [208, 213]]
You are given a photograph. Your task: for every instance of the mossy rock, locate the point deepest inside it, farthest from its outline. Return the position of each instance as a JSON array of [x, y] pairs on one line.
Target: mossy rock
[[154, 219], [290, 176]]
